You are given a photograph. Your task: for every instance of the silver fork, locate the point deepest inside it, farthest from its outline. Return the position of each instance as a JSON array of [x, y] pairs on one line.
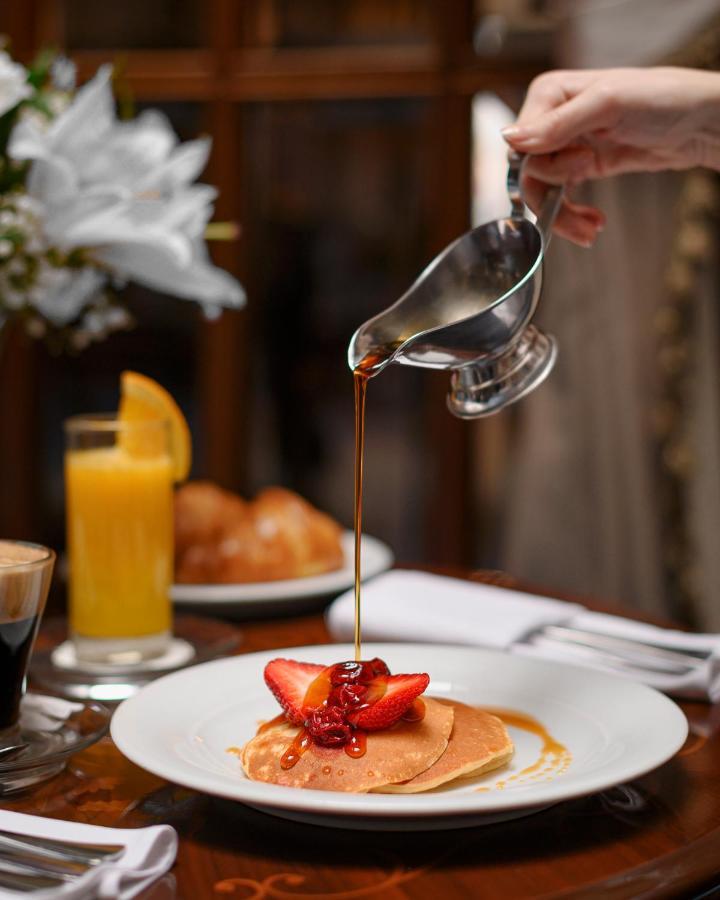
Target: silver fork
[[16, 881], [625, 651], [63, 851], [30, 864]]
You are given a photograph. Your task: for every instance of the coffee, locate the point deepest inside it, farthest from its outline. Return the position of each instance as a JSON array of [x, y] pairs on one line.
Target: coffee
[[16, 640], [25, 572]]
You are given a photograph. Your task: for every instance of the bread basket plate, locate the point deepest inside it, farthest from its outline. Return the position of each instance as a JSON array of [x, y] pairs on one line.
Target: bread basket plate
[[288, 593]]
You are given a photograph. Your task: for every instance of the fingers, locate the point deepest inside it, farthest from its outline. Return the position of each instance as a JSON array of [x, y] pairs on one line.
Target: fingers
[[585, 163], [555, 128], [578, 223], [551, 89], [567, 166]]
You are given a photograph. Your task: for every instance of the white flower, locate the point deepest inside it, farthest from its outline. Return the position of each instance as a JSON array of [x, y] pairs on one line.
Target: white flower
[[63, 72], [59, 294], [124, 192], [13, 83]]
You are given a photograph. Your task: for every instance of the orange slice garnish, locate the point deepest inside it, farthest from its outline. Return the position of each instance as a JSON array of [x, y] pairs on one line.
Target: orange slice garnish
[[142, 399]]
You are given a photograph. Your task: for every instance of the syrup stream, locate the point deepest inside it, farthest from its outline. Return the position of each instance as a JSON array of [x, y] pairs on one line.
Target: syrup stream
[[362, 373], [360, 378]]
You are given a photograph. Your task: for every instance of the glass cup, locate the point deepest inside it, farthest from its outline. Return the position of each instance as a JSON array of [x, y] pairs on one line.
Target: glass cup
[[119, 503], [25, 573]]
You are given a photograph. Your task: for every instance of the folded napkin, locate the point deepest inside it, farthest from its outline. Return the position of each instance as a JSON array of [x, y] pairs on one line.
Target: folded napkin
[[149, 853], [39, 712], [417, 606]]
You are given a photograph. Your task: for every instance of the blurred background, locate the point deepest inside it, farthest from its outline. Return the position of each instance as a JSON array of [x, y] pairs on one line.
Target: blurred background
[[353, 139]]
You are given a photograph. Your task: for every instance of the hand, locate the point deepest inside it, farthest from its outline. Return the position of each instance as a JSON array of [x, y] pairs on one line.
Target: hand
[[587, 124]]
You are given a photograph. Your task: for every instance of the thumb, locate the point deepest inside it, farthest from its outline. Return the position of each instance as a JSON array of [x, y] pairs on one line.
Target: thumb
[[581, 115]]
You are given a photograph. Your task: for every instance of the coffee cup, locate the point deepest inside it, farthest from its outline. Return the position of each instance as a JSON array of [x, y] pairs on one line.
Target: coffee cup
[[25, 574]]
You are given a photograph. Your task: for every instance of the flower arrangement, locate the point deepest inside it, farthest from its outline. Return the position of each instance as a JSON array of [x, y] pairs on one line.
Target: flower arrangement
[[89, 203]]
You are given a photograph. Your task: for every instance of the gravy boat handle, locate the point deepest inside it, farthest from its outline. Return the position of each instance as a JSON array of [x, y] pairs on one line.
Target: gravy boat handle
[[551, 201]]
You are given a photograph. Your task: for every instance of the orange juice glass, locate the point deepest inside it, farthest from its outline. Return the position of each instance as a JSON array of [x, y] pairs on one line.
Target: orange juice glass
[[119, 502]]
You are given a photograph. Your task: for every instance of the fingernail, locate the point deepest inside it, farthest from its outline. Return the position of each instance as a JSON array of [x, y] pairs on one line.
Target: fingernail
[[518, 134]]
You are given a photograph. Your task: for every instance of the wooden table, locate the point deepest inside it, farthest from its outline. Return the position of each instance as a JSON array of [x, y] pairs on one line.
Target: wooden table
[[656, 837]]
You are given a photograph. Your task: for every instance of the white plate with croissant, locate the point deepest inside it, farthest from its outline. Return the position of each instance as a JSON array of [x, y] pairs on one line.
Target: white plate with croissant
[[255, 556]]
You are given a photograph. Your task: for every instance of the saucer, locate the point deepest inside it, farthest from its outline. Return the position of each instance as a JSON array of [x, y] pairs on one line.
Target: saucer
[[51, 730], [54, 664], [178, 653]]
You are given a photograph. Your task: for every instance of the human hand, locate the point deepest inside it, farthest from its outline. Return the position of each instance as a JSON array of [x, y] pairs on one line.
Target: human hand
[[588, 124]]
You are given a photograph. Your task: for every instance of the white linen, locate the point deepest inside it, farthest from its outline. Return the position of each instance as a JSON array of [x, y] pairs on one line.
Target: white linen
[[417, 606], [149, 853], [39, 712]]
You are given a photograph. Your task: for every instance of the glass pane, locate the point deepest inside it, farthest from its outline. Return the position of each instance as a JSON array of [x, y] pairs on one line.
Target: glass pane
[[336, 227], [133, 24], [317, 23]]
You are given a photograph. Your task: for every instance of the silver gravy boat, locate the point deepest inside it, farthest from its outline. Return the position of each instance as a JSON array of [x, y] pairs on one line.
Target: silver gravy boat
[[470, 310]]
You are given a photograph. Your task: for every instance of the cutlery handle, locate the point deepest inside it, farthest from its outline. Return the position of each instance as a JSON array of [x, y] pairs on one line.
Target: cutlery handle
[[27, 884], [642, 653], [66, 851]]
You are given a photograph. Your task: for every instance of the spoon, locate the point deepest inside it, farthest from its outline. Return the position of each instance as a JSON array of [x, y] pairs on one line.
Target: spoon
[[12, 750]]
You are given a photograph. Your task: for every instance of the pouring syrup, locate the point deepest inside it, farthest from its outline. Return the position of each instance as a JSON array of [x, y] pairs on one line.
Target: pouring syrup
[[362, 373]]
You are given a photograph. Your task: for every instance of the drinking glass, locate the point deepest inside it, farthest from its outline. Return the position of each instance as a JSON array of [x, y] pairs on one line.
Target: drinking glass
[[25, 573], [119, 503]]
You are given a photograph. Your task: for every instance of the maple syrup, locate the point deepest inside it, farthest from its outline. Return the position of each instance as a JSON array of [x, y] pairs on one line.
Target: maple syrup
[[360, 379], [554, 757], [340, 692], [266, 726], [357, 745], [298, 746], [363, 372]]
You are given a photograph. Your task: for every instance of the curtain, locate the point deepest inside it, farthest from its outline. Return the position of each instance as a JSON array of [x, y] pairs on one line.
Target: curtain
[[612, 485]]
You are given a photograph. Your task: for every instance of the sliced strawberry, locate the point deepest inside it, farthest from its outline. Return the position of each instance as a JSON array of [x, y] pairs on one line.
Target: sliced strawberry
[[289, 681], [400, 692]]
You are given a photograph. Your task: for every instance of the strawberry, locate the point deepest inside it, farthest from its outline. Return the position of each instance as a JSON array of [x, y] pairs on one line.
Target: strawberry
[[400, 692], [289, 681]]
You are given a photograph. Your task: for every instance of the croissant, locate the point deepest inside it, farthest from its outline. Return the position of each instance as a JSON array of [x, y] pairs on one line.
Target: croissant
[[221, 539]]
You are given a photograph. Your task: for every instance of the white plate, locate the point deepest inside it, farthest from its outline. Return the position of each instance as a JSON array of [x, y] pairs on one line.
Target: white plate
[[181, 726], [286, 593]]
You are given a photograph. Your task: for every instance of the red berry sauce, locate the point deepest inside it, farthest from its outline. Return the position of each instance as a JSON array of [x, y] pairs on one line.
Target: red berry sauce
[[335, 697]]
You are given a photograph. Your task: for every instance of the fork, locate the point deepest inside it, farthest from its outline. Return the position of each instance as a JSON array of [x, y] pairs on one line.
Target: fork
[[26, 883], [64, 851], [625, 651], [30, 863]]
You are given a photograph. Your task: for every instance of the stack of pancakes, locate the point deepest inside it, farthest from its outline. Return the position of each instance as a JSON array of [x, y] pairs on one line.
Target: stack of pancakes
[[452, 741]]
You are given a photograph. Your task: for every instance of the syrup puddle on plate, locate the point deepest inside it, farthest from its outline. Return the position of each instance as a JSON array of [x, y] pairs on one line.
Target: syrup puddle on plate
[[553, 760]]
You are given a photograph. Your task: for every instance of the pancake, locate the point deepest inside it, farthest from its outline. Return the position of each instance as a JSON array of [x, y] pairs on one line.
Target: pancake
[[396, 754], [478, 743]]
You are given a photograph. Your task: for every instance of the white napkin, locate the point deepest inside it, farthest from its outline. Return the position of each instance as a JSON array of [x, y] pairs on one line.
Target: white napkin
[[417, 606], [39, 712], [149, 853]]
